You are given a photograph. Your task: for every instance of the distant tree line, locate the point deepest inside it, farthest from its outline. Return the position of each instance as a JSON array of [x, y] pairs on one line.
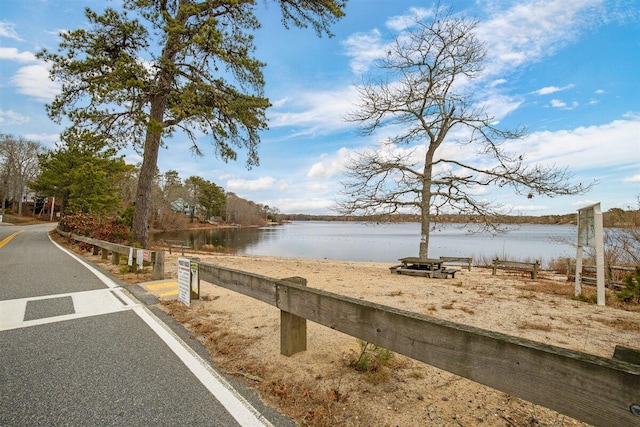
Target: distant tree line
[[615, 217], [83, 175]]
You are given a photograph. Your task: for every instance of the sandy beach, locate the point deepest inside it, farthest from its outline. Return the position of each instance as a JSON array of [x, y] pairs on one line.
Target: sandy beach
[[320, 387]]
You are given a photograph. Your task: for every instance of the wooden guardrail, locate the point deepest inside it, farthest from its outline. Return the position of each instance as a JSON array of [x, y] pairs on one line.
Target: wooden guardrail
[[156, 258], [589, 388], [532, 267], [461, 261], [613, 274]]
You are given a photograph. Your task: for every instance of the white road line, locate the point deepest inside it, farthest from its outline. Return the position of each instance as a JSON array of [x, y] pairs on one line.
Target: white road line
[[237, 406], [85, 304], [235, 403]]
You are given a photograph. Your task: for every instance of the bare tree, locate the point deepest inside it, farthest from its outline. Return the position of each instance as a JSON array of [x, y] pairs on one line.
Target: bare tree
[[18, 167], [622, 243], [424, 95]]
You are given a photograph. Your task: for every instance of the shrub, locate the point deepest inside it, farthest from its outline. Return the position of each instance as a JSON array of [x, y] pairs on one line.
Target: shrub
[[371, 357], [111, 229], [631, 291]]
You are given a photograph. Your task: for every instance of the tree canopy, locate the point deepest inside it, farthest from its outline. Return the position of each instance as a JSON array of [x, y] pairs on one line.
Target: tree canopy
[[175, 65], [422, 92], [81, 173]]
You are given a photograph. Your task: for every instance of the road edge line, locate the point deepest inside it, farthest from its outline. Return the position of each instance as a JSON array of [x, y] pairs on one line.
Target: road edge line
[[237, 406]]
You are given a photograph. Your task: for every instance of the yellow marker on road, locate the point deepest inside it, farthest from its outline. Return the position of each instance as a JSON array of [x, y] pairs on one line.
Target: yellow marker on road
[[159, 287], [8, 239]]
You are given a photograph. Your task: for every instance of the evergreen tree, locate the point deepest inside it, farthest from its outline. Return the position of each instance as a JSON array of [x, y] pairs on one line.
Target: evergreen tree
[[81, 173], [177, 65]]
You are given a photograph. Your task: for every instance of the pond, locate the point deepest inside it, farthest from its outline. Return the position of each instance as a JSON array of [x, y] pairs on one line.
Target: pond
[[361, 241]]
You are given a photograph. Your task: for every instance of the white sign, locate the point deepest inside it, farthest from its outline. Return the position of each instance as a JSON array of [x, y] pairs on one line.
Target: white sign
[[586, 227], [184, 281], [591, 234]]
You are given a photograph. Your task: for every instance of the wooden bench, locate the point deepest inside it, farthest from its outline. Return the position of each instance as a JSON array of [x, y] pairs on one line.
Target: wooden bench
[[461, 261], [445, 272], [531, 267], [178, 244]]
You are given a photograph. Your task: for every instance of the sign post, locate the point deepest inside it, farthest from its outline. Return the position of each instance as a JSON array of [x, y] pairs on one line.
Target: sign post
[[590, 234]]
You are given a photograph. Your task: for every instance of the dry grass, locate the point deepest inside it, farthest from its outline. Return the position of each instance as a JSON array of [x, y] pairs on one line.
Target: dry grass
[[525, 324], [620, 324]]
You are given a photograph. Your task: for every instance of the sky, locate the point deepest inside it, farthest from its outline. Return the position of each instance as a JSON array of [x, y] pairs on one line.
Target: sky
[[566, 70]]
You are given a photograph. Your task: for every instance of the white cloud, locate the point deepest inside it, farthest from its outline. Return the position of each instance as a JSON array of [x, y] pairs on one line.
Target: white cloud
[[552, 89], [403, 22], [364, 48], [556, 103], [632, 179], [280, 102], [600, 92], [534, 29], [264, 183], [12, 54], [329, 165], [315, 111], [499, 106], [9, 117], [33, 80], [49, 139], [7, 29], [307, 205], [583, 148]]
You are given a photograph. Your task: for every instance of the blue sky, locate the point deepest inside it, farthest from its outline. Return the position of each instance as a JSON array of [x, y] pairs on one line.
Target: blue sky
[[567, 70]]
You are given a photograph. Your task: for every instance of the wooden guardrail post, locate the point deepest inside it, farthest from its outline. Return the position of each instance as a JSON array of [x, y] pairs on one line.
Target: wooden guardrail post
[[158, 266], [293, 329], [495, 267], [536, 268], [104, 253]]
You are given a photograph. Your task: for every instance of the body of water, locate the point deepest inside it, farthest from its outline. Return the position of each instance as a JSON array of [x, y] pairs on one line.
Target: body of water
[[360, 241]]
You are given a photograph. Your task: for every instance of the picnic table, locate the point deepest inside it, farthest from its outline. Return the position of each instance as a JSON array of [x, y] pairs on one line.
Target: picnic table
[[425, 267], [416, 263]]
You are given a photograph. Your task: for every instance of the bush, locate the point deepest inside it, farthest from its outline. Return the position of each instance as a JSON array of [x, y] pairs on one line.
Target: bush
[[110, 229], [631, 292]]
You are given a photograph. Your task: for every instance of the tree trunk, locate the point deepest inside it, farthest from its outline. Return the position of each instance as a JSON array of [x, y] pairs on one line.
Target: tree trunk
[[152, 142], [425, 220], [425, 203], [139, 228]]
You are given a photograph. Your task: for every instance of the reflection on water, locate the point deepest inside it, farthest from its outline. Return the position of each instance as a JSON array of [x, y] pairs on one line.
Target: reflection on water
[[358, 241]]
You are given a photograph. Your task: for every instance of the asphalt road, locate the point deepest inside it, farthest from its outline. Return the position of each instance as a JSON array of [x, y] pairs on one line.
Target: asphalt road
[[77, 349]]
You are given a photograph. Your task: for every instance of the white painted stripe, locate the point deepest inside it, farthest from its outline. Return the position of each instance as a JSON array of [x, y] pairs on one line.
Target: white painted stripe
[[87, 303], [11, 313], [237, 406]]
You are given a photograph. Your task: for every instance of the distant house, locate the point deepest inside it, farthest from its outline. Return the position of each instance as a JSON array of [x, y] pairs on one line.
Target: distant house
[[180, 205]]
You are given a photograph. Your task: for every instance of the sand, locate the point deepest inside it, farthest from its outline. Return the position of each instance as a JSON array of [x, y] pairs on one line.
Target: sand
[[321, 387]]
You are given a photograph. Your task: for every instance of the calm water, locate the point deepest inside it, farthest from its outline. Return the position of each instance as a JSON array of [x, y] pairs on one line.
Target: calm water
[[355, 241]]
